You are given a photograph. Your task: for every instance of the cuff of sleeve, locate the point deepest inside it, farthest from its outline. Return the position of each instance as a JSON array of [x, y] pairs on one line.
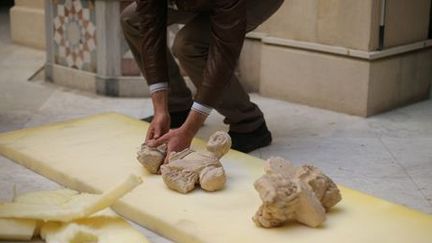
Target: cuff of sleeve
[[205, 110], [158, 87]]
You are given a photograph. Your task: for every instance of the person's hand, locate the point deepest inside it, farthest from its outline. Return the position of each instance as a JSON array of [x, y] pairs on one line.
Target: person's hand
[[176, 139], [161, 119], [179, 139], [159, 126]]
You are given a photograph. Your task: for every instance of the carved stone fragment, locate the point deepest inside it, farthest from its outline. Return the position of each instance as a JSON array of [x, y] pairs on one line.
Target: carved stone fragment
[[152, 158], [289, 193], [188, 168], [324, 188]]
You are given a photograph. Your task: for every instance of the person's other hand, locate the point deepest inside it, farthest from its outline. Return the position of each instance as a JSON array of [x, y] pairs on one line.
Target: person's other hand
[[176, 139], [179, 139], [159, 126]]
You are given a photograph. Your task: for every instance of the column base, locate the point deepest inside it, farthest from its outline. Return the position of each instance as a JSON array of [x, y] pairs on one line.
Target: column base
[[90, 82], [349, 81]]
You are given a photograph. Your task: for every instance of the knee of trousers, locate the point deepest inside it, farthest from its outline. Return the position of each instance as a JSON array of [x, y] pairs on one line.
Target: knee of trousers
[[184, 47]]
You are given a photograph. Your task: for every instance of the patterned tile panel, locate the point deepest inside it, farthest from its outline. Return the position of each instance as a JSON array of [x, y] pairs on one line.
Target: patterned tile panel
[[75, 34]]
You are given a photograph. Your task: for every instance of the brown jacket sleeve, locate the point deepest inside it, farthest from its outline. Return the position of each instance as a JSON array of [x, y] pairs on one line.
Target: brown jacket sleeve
[[153, 42], [228, 29]]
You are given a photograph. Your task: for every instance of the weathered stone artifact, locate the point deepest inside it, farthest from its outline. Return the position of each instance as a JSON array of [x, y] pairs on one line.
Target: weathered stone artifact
[[152, 158], [188, 168], [291, 193], [324, 188]]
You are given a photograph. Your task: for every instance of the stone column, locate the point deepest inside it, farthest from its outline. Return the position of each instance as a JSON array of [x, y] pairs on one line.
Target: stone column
[[324, 53], [108, 47], [27, 23]]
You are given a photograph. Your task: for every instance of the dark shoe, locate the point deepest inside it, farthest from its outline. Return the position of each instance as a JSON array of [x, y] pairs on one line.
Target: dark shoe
[[177, 118], [247, 142]]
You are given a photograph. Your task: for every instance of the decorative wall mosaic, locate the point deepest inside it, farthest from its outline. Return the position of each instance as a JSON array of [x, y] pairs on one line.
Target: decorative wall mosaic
[[75, 34]]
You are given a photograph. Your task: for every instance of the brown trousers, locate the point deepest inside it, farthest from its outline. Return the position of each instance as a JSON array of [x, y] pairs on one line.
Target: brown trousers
[[191, 46]]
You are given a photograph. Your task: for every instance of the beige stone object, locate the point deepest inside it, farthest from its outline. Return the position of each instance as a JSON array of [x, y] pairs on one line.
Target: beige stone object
[[291, 193], [188, 168], [152, 158], [321, 185]]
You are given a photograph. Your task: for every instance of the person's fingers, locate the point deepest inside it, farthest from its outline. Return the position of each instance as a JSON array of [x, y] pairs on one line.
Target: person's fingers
[[164, 139], [149, 134], [157, 133], [150, 142], [159, 141]]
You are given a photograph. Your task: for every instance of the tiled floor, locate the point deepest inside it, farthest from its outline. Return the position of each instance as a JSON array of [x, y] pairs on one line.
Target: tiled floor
[[388, 156]]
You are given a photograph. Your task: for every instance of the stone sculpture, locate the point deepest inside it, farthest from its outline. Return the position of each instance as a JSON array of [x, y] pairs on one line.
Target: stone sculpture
[[188, 168], [185, 169], [152, 158], [289, 193]]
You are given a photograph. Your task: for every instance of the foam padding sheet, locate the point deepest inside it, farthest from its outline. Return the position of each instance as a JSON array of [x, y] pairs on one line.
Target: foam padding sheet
[[92, 154]]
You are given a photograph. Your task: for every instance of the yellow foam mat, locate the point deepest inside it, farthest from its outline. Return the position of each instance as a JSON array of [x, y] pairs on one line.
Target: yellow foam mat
[[90, 154]]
